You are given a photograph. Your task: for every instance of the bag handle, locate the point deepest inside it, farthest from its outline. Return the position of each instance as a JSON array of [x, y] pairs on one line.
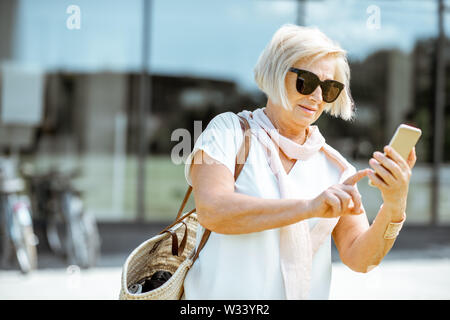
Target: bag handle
[[177, 250]]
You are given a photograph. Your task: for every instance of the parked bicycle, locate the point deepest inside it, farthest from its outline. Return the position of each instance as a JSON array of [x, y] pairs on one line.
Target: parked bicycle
[[71, 231], [16, 220]]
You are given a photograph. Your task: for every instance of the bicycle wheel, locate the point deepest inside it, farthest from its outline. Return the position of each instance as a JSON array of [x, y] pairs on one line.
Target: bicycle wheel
[[92, 238], [23, 237], [83, 241], [55, 231]]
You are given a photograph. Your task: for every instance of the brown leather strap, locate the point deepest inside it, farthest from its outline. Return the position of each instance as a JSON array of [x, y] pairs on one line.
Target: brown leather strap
[[242, 154], [177, 250], [183, 204], [184, 240], [178, 220], [241, 158], [202, 243], [174, 242]]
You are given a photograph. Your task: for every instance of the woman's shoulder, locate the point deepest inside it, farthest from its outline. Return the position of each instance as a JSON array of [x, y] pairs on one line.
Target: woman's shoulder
[[225, 120], [225, 127], [220, 140]]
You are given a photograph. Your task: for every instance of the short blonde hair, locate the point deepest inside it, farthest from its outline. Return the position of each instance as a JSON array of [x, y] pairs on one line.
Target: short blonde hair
[[290, 44]]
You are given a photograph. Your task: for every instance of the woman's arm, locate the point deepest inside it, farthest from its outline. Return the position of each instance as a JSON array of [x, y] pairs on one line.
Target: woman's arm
[[222, 210], [362, 247]]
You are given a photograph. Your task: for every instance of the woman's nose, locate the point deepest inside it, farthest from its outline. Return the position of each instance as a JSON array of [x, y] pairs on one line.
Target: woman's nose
[[317, 94]]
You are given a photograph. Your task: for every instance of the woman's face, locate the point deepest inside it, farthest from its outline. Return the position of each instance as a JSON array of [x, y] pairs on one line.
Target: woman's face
[[306, 109]]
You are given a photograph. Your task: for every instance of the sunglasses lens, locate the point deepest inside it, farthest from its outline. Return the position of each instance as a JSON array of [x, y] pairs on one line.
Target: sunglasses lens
[[300, 84], [331, 91], [307, 83]]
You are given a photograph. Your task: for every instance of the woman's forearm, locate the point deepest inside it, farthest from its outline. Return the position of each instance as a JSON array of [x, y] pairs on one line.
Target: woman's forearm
[[236, 213], [370, 247]]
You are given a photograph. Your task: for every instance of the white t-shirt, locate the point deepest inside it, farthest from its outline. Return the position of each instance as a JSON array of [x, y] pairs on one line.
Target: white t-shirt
[[247, 266]]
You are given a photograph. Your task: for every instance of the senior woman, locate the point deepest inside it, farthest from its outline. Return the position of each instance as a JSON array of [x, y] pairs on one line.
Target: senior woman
[[271, 228]]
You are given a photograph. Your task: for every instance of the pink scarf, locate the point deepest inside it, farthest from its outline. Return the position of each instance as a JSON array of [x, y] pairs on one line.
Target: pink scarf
[[298, 243]]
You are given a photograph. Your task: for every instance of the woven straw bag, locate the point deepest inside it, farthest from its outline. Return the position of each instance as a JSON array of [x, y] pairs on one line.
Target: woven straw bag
[[165, 252]]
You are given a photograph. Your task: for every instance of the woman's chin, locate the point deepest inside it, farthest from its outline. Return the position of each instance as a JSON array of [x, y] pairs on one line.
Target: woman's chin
[[304, 118]]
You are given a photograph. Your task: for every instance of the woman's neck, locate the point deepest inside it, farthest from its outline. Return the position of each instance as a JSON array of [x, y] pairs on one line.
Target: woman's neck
[[294, 133]]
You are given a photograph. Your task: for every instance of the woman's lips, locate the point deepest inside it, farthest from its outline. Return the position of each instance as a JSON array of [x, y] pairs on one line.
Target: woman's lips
[[307, 109]]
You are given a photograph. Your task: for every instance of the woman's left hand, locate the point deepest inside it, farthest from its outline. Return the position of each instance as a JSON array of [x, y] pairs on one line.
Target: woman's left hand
[[393, 175]]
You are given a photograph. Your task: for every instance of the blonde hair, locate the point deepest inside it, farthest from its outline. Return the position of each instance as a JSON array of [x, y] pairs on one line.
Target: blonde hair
[[290, 44]]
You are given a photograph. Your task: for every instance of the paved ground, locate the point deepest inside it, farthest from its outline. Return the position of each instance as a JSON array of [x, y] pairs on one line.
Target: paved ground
[[409, 279], [418, 267]]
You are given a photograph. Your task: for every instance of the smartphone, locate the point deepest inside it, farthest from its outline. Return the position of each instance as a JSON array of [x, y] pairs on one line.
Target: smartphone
[[404, 140]]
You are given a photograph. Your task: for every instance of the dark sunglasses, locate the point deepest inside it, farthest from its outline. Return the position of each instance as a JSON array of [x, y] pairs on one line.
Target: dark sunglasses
[[307, 82]]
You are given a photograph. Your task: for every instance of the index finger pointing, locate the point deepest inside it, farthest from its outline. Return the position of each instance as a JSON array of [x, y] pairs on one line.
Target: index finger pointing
[[356, 177]]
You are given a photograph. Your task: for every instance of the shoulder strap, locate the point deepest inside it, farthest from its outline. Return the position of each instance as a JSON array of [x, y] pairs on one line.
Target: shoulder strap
[[242, 154], [241, 158]]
